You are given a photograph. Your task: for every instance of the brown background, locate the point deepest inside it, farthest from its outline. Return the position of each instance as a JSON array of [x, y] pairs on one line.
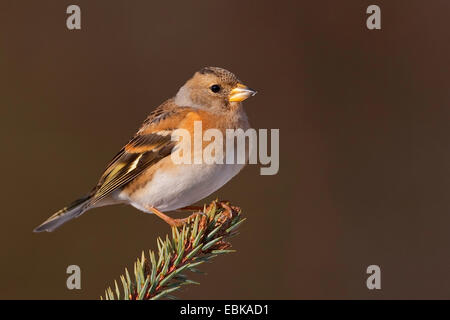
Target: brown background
[[363, 118]]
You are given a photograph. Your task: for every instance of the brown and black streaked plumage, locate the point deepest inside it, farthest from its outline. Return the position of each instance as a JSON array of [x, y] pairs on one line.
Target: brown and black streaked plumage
[[142, 173]]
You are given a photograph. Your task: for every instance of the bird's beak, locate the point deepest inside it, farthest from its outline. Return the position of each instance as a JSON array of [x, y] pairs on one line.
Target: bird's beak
[[241, 92]]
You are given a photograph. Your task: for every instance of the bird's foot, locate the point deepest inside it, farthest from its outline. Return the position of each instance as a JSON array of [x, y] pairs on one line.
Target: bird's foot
[[175, 222]]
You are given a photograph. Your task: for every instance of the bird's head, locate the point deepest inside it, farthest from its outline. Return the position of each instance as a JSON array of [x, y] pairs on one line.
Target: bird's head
[[213, 88]]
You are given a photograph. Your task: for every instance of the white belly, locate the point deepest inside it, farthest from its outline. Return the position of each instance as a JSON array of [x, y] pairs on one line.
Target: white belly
[[181, 187]]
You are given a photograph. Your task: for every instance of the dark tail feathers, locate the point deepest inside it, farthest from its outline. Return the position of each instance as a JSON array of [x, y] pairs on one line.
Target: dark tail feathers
[[74, 210]]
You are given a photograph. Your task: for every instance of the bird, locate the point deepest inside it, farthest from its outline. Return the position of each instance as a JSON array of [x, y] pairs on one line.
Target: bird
[[143, 174]]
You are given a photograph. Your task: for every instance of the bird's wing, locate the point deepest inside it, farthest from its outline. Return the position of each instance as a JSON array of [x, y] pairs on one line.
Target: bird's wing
[[151, 144]]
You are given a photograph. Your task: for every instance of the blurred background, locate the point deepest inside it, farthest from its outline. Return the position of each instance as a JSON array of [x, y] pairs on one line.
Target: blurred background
[[364, 151]]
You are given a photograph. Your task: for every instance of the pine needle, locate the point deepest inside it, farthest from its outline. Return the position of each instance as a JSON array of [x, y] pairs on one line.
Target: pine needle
[[199, 240]]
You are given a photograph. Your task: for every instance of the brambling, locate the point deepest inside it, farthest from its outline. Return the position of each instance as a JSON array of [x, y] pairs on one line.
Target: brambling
[[143, 173]]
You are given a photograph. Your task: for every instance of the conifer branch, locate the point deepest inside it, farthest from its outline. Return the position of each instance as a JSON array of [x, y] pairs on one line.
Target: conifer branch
[[202, 238]]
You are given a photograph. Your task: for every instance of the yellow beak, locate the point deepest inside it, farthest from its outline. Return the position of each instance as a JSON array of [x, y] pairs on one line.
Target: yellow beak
[[241, 92]]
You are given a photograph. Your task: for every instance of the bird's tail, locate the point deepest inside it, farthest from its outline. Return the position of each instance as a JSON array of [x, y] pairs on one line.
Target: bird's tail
[[74, 210]]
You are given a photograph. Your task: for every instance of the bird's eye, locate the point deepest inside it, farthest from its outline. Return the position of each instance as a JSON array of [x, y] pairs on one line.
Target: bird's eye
[[215, 88]]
